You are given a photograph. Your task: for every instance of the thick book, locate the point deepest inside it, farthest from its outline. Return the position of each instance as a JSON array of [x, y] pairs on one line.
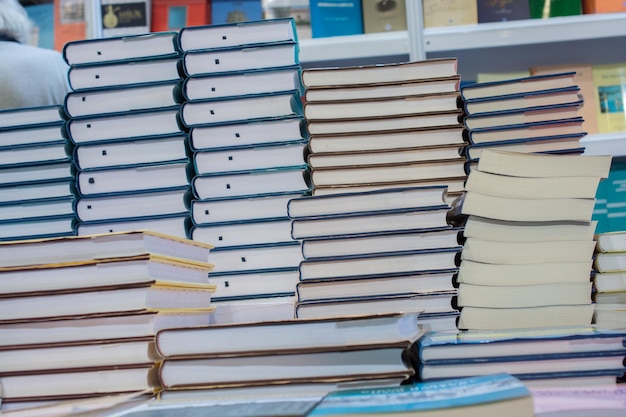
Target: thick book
[[80, 248], [379, 264], [202, 87], [37, 134], [498, 394], [20, 117], [102, 273], [403, 88], [556, 145], [536, 130], [285, 368], [237, 34], [518, 85], [254, 286], [251, 183], [123, 73], [121, 48], [247, 159], [244, 233], [367, 202], [549, 113], [455, 186], [133, 205], [366, 223], [381, 107], [177, 14], [522, 102], [336, 18], [345, 333], [611, 241], [257, 258], [125, 126], [226, 61], [176, 225], [121, 99], [126, 153], [426, 139], [436, 302], [379, 73], [241, 108], [383, 125], [368, 287], [522, 296]]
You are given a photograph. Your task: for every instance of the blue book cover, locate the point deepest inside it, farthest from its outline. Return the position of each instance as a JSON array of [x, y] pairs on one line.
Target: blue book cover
[[36, 174], [336, 18], [228, 11]]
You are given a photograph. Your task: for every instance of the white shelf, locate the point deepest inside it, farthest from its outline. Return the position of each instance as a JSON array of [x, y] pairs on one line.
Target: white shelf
[[605, 144]]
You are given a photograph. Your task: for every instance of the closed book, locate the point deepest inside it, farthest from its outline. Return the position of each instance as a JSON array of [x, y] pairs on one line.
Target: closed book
[[177, 14], [521, 296], [566, 111], [336, 18], [123, 17], [24, 156], [21, 117], [502, 11], [522, 102], [439, 13], [492, 252], [547, 272], [383, 16], [518, 85], [241, 108], [38, 228], [263, 257], [604, 6], [50, 208], [536, 130], [225, 11], [120, 48], [610, 262], [244, 233], [176, 225], [237, 34], [254, 285], [554, 8], [50, 190], [611, 241], [248, 134], [608, 80], [227, 60], [38, 134], [558, 144]]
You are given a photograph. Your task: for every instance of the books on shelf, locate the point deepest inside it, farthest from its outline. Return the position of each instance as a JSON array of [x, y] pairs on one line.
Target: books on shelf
[[336, 18], [449, 13], [489, 11]]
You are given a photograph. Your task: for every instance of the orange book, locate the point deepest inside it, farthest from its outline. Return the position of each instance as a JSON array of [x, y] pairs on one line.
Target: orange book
[[69, 22], [603, 6], [176, 14]]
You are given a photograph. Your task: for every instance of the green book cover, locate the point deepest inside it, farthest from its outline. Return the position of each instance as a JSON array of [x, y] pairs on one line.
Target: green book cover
[[552, 8]]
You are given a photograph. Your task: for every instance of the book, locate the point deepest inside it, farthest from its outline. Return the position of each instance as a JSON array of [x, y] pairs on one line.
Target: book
[[399, 172], [383, 107], [123, 17], [175, 225], [379, 74], [144, 298], [426, 139], [76, 357], [38, 228], [367, 202], [89, 102], [435, 302], [596, 6], [251, 82], [449, 13], [548, 272], [385, 264], [608, 81], [336, 18], [255, 286], [177, 14], [146, 151], [555, 145], [335, 365], [69, 23], [39, 134], [225, 11], [241, 108], [247, 159], [495, 252], [379, 243], [21, 117], [45, 209], [584, 80], [237, 34], [540, 317], [102, 273], [385, 90], [566, 111], [143, 178], [257, 258], [518, 85], [251, 183], [247, 134], [56, 189], [383, 221], [121, 48], [498, 394], [127, 73], [290, 336], [610, 261], [383, 16], [554, 8], [238, 310], [489, 11], [522, 102], [611, 241], [126, 126], [609, 317], [609, 281], [524, 132], [523, 296], [455, 186], [243, 233], [385, 125], [228, 60], [356, 288]]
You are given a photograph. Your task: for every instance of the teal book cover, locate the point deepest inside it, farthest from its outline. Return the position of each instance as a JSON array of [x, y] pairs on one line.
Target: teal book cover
[[336, 18], [610, 210]]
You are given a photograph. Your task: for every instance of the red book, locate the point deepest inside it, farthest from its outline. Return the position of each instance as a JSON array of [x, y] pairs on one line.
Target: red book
[[176, 14]]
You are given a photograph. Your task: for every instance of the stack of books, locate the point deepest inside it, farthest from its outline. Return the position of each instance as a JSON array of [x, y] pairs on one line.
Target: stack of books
[[130, 149], [78, 314], [243, 109], [381, 126], [528, 240], [558, 356], [539, 113], [609, 280], [293, 358], [378, 251], [36, 177]]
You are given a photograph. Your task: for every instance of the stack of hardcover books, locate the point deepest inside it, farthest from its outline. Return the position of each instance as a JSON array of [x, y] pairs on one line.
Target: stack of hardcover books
[[378, 251], [381, 126], [609, 279], [243, 109], [78, 314], [528, 240], [539, 113], [130, 149], [36, 177]]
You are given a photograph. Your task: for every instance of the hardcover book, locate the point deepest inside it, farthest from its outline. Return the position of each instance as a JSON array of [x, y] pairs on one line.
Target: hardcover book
[[609, 81], [502, 10], [336, 18], [177, 14]]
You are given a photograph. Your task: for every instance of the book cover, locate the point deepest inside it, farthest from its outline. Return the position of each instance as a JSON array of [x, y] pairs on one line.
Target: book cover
[[502, 10], [177, 14], [544, 9], [383, 16], [124, 17], [24, 117], [69, 22], [610, 82], [228, 11], [603, 6], [336, 18], [439, 13]]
